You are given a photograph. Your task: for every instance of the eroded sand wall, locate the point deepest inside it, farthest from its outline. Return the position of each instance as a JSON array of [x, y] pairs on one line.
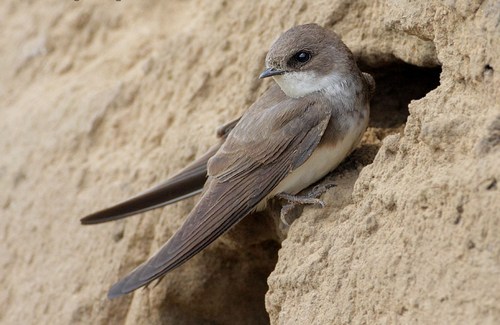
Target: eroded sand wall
[[101, 99]]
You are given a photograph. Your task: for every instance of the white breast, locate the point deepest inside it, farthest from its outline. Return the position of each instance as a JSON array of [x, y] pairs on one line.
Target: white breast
[[322, 161]]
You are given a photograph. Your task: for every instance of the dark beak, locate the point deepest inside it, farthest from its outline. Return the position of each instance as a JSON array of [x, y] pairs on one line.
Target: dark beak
[[270, 72]]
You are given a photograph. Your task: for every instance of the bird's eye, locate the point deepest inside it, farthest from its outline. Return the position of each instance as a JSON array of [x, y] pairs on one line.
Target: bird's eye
[[302, 57]]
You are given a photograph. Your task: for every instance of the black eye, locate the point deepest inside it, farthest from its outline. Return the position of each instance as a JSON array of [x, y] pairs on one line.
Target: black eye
[[302, 56]]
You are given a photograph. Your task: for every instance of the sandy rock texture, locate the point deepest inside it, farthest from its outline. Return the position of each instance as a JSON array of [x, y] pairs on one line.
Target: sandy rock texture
[[101, 99]]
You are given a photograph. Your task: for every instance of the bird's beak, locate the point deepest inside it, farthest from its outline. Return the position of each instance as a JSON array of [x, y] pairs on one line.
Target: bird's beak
[[269, 72]]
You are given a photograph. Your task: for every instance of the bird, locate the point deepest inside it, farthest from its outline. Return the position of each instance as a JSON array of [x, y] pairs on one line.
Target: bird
[[297, 132]]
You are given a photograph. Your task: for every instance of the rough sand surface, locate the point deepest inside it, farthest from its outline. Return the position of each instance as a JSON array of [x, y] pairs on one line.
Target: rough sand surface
[[101, 99]]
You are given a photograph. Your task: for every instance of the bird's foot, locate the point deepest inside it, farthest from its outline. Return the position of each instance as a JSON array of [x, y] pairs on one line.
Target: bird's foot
[[310, 197]]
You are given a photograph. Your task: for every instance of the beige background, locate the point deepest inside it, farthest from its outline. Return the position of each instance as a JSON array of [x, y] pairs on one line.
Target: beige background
[[101, 99]]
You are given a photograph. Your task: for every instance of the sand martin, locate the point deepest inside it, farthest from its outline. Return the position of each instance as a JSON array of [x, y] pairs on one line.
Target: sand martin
[[298, 131]]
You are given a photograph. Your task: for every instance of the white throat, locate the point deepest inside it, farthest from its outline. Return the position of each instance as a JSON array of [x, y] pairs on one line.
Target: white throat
[[302, 83]]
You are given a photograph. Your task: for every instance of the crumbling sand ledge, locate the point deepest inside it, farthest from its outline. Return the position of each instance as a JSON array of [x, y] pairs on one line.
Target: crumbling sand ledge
[[100, 99]]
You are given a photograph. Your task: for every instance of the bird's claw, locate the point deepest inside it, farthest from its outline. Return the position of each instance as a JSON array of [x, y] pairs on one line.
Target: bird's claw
[[295, 201]]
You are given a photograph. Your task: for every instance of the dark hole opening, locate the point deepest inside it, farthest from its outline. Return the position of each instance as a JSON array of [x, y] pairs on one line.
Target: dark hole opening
[[398, 83]]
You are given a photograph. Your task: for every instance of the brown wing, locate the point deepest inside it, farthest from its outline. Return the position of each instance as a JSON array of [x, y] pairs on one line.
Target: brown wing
[[261, 150], [186, 183]]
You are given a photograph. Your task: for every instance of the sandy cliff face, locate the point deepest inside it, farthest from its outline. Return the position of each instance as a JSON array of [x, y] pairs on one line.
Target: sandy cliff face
[[101, 99]]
